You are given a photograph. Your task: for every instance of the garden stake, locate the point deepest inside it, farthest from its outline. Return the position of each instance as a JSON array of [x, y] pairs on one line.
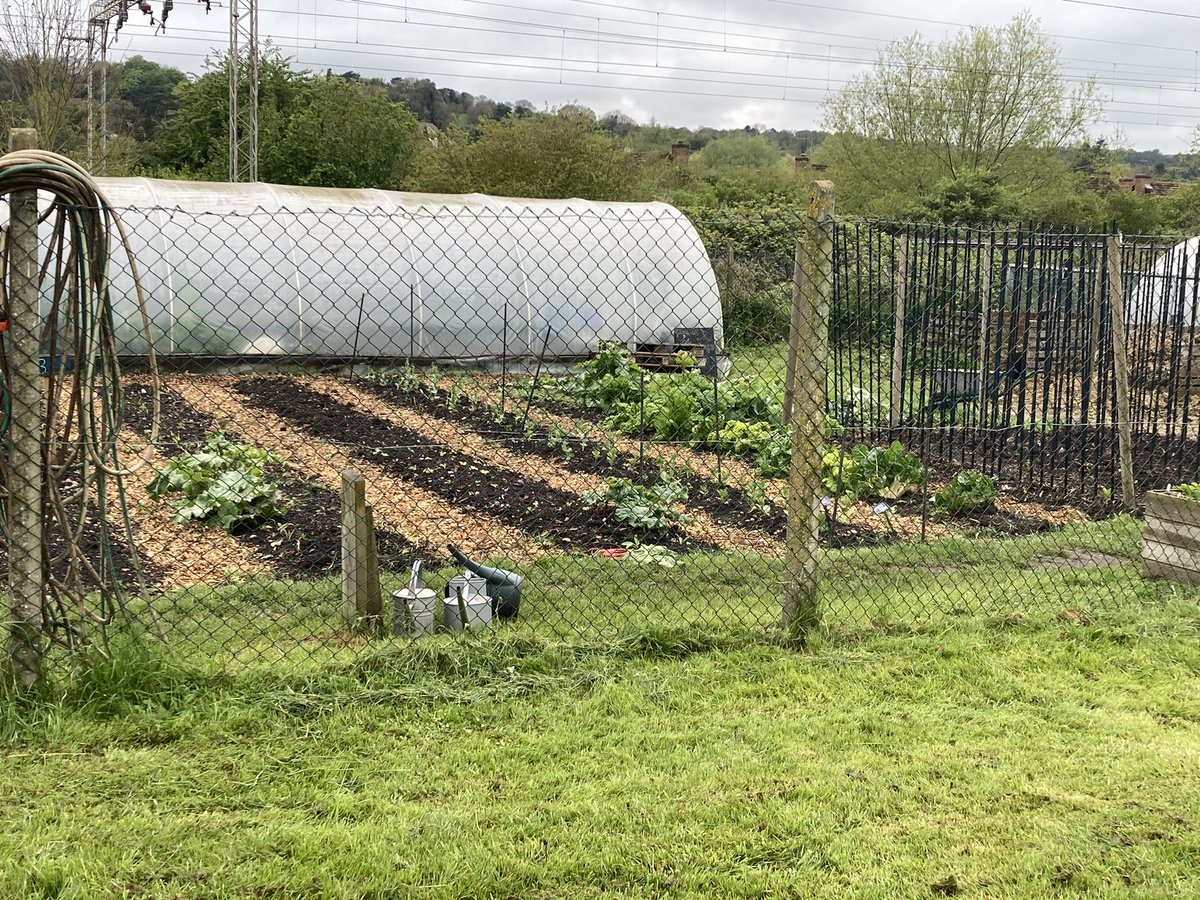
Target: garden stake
[[837, 493], [641, 417], [462, 607], [924, 504], [412, 321], [717, 428], [537, 374], [357, 330], [503, 356]]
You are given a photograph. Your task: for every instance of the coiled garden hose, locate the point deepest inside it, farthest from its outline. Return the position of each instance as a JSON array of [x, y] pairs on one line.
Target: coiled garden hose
[[83, 484]]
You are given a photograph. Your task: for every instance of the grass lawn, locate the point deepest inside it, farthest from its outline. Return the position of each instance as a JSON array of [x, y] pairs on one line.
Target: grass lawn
[[1023, 756]]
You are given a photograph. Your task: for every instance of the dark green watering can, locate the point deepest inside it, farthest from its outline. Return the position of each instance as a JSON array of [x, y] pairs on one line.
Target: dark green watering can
[[503, 586]]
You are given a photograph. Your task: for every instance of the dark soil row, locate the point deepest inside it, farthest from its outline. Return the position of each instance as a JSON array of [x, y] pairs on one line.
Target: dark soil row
[[989, 522], [726, 505], [1063, 465], [306, 541], [461, 479], [591, 457]]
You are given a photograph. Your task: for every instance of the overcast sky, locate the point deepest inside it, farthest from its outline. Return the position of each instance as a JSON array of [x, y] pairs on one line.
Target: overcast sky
[[724, 63]]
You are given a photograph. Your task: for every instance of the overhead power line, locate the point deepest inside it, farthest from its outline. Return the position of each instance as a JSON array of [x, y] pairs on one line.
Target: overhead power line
[[788, 85], [1141, 9]]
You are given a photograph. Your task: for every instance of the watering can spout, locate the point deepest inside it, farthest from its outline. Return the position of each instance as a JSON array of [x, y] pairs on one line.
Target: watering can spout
[[495, 577]]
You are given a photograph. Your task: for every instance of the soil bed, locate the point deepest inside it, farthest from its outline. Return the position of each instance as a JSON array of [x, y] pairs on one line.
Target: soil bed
[[994, 522], [1064, 465], [121, 559], [532, 506], [303, 543], [726, 505]]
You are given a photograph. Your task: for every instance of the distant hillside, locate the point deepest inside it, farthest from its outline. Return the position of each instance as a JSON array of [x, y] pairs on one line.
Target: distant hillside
[[1171, 166]]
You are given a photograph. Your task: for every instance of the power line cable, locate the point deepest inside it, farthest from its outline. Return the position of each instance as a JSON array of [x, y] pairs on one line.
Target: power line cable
[[1140, 9]]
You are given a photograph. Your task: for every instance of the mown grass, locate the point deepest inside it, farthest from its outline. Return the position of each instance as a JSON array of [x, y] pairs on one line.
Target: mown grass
[[1002, 750], [258, 622]]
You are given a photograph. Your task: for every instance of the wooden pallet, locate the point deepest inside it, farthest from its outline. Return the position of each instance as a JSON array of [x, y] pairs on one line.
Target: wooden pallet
[[663, 358], [1171, 538]]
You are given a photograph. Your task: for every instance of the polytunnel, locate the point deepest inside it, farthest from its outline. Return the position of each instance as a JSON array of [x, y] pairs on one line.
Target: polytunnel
[[248, 270], [1167, 293]]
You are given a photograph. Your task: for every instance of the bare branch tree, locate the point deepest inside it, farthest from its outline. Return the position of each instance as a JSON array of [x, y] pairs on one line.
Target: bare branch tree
[[44, 63], [980, 101]]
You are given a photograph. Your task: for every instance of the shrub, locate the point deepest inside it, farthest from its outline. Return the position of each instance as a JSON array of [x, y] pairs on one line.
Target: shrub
[[223, 484], [756, 317], [966, 492]]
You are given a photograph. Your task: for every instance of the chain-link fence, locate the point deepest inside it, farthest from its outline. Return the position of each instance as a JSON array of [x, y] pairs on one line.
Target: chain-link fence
[[582, 417]]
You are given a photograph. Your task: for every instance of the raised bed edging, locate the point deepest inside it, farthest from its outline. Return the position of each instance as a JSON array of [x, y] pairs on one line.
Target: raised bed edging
[[1171, 538]]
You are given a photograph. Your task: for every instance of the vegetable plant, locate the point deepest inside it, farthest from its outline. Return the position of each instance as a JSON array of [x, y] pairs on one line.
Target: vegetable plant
[[884, 472], [646, 508], [1190, 490], [610, 376], [222, 484], [966, 492]]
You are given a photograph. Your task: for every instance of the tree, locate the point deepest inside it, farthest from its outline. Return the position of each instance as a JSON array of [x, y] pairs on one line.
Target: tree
[[339, 135], [560, 154], [736, 152], [974, 198], [43, 65], [987, 100], [327, 130], [195, 141], [149, 90]]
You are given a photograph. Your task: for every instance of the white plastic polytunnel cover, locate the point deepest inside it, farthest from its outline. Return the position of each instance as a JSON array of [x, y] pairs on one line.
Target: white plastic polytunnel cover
[[259, 269], [1168, 293]]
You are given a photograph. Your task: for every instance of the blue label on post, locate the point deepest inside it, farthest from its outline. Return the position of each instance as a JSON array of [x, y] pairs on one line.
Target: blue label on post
[[48, 364]]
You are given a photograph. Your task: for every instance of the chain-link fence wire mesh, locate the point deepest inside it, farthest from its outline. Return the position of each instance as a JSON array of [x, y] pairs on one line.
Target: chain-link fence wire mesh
[[591, 398]]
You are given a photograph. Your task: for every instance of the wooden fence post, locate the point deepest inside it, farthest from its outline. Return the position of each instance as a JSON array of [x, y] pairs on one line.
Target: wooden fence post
[[25, 466], [1116, 296], [361, 596], [810, 334], [900, 293]]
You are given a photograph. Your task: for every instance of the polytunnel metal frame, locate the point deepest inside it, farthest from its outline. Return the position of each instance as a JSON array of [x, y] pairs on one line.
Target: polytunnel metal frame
[[582, 272]]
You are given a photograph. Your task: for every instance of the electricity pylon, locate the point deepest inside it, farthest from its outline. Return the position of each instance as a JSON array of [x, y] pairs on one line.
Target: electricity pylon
[[243, 108], [243, 76]]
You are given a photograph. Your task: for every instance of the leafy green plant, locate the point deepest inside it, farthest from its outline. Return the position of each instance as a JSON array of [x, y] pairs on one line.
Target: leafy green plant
[[743, 437], [885, 472], [222, 484], [610, 376], [834, 461], [775, 456], [647, 508], [966, 492], [651, 554], [1190, 490], [405, 377]]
